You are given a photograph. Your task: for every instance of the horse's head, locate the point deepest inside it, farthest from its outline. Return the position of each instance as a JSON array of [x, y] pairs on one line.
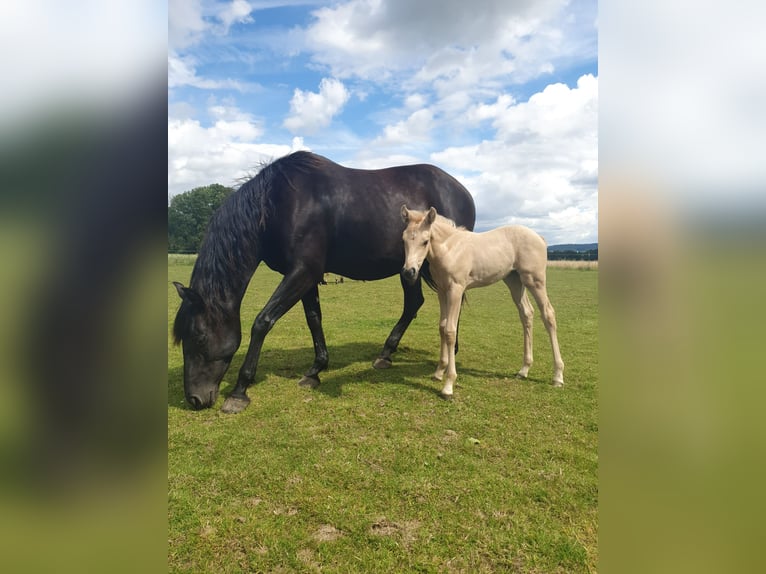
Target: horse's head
[[209, 342], [417, 238]]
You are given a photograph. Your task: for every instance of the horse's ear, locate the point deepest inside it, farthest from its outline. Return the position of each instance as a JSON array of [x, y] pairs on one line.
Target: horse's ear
[[188, 294], [431, 216], [405, 213]]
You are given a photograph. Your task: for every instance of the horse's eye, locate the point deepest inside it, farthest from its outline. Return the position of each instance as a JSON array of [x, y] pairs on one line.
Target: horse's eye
[[425, 243]]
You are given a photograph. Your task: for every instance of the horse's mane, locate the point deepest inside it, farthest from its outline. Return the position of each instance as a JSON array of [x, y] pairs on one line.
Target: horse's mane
[[231, 247]]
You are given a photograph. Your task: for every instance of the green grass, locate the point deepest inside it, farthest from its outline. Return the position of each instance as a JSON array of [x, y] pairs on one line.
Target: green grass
[[372, 472]]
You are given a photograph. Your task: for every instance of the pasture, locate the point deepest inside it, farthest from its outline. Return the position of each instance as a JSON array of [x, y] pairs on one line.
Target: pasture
[[372, 471]]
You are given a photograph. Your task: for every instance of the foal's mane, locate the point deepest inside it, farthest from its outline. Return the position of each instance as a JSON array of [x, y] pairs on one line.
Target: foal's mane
[[421, 215], [425, 271], [448, 222]]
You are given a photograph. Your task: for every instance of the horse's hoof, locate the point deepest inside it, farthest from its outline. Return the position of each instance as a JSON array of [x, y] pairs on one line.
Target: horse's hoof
[[558, 383], [382, 363], [436, 377], [307, 381], [445, 396], [233, 405]]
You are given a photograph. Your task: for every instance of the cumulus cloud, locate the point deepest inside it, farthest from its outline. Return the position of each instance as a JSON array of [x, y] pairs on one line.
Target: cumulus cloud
[[445, 41], [188, 23], [416, 128], [238, 11], [222, 152], [310, 111], [182, 72], [190, 20], [541, 168]]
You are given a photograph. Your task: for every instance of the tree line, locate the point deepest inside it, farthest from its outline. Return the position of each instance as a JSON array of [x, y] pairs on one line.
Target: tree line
[[189, 214], [571, 255]]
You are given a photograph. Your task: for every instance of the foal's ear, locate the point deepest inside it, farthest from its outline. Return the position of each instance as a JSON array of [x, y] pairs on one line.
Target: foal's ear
[[189, 295], [431, 216], [405, 213]]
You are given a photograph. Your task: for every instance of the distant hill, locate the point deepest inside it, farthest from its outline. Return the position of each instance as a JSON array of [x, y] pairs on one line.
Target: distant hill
[[578, 247]]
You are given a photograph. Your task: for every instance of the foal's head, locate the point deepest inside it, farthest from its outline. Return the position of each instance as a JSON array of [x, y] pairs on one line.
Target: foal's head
[[417, 237]]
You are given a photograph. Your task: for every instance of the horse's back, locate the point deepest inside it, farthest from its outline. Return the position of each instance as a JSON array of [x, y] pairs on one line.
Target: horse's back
[[353, 215]]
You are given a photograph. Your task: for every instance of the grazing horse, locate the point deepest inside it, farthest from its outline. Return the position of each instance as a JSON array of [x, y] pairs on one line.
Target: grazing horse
[[303, 215], [460, 259]]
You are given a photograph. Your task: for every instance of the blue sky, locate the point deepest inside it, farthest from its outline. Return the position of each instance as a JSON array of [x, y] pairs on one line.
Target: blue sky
[[501, 94]]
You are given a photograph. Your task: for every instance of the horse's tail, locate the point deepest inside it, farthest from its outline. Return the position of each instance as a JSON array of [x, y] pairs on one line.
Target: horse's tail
[[425, 273]]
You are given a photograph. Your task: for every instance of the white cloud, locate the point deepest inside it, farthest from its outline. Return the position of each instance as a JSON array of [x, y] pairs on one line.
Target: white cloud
[[483, 112], [310, 111], [190, 20], [448, 43], [541, 169], [416, 128], [238, 11], [221, 153]]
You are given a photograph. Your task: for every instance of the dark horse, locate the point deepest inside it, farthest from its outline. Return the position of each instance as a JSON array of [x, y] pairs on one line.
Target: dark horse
[[303, 215]]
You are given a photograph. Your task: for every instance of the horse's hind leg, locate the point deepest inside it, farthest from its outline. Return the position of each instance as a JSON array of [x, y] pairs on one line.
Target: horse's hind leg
[[313, 313], [526, 314], [413, 300], [535, 282]]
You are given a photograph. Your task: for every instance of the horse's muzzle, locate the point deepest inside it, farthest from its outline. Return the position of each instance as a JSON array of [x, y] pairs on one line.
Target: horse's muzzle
[[410, 275], [198, 403]]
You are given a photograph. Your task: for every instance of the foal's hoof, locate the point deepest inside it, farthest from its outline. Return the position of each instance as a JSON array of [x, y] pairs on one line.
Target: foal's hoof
[[307, 381], [445, 396], [558, 383], [233, 405], [382, 363]]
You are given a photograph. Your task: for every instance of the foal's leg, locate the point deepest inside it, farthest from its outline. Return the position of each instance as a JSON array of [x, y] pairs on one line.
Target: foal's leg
[[443, 347], [526, 314], [413, 300], [535, 282], [454, 298], [313, 314]]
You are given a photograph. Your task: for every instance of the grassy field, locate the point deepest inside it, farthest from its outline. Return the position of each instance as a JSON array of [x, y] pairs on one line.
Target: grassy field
[[372, 472]]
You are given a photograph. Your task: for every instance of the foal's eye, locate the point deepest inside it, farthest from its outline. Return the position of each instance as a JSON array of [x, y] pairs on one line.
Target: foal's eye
[[425, 243]]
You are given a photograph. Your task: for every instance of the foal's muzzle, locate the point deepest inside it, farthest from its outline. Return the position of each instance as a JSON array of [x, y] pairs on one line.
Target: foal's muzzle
[[410, 274]]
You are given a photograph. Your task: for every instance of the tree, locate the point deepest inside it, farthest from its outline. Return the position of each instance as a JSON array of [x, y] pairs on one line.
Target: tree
[[189, 214]]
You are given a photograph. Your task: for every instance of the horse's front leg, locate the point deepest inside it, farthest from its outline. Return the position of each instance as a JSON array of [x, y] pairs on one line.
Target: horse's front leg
[[288, 293], [313, 313], [413, 300], [454, 298]]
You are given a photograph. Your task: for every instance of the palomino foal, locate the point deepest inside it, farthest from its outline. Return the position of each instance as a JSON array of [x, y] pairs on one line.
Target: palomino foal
[[460, 259]]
